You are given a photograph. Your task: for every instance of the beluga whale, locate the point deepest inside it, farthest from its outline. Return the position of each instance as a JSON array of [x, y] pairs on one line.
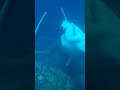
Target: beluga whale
[[72, 39]]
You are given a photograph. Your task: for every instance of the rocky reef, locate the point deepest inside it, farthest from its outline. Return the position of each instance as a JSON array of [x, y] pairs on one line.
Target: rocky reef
[[51, 78]]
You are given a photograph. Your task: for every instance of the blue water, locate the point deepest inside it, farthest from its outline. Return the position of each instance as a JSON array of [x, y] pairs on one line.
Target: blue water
[[50, 27], [49, 33]]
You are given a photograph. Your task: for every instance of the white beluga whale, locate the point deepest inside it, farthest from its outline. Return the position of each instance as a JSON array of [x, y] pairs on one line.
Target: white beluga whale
[[73, 38]]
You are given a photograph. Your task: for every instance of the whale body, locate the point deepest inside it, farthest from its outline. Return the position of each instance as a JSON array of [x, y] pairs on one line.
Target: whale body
[[73, 38]]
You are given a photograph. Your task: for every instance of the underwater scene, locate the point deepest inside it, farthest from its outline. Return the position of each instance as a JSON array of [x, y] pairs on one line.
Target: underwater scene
[[59, 45]]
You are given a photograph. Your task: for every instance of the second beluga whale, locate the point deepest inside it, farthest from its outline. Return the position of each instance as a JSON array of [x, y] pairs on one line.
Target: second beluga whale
[[73, 38]]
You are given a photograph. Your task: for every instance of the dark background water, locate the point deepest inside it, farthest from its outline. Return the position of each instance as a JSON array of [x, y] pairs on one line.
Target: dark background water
[[49, 30]]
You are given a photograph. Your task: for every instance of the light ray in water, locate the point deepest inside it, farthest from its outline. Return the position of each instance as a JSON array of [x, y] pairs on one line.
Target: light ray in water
[[63, 14], [37, 28], [68, 62]]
